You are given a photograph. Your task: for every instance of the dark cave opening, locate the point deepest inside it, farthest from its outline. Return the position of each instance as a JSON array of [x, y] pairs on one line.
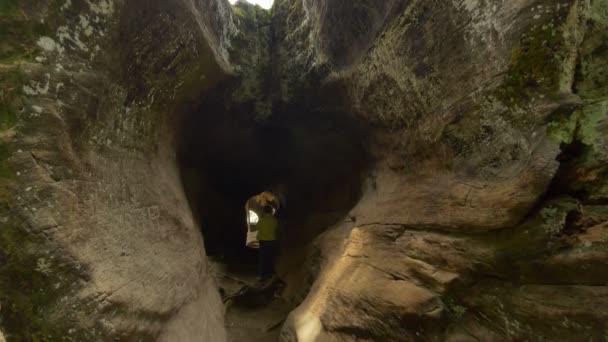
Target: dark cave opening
[[226, 156]]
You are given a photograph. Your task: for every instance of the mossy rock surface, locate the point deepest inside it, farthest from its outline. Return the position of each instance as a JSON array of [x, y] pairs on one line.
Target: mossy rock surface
[[8, 7], [18, 35], [250, 51], [72, 122], [32, 283]]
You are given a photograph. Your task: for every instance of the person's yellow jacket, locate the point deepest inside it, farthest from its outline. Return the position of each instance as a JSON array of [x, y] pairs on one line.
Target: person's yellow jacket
[[267, 228]]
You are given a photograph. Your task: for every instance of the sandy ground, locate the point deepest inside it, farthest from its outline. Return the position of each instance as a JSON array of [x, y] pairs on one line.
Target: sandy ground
[[256, 316]]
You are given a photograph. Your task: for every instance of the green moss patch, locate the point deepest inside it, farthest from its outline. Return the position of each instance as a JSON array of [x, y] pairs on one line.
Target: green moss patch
[[562, 125], [238, 11], [18, 37], [8, 118], [10, 97], [8, 7], [31, 285], [6, 171], [536, 63], [32, 280], [250, 51], [534, 69], [591, 124]]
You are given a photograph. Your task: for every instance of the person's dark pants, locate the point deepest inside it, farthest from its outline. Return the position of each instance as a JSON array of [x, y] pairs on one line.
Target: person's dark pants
[[266, 259]]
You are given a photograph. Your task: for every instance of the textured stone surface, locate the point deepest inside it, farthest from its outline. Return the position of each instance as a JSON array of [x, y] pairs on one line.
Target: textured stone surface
[[483, 206], [462, 106], [486, 195], [97, 238], [250, 54]]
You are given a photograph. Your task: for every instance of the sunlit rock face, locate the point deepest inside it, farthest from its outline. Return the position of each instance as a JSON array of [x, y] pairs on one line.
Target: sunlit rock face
[[97, 239], [483, 216]]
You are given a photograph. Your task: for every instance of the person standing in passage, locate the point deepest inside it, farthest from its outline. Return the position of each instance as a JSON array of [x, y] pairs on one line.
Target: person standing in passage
[[267, 227]]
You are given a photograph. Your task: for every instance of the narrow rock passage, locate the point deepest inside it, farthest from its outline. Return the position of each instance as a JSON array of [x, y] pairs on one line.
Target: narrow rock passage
[[226, 156]]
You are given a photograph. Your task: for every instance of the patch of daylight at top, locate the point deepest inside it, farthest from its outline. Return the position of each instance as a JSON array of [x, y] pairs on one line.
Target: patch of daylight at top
[[263, 3]]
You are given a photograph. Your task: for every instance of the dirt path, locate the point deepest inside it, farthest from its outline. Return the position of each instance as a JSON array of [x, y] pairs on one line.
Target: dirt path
[[256, 316]]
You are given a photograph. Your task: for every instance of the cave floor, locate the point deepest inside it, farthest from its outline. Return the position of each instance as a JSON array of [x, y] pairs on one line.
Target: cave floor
[[256, 317]]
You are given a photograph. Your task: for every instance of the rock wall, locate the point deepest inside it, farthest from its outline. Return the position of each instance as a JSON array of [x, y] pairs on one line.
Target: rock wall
[[484, 214], [250, 54], [97, 239]]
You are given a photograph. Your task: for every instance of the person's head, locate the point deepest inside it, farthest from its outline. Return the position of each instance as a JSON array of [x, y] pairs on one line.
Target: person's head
[[268, 210]]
